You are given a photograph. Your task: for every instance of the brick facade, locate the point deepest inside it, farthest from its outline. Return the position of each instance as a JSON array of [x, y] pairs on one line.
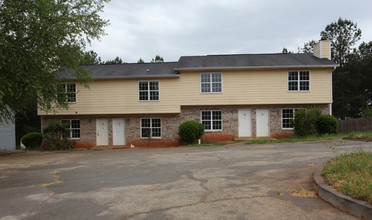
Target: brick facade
[[170, 123]]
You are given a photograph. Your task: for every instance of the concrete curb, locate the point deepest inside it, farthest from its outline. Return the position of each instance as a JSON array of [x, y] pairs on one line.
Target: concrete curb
[[343, 202]]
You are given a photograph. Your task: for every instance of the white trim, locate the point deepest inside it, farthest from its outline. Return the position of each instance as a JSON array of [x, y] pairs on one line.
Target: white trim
[[211, 120], [298, 81], [161, 129], [210, 83], [148, 91], [70, 128]]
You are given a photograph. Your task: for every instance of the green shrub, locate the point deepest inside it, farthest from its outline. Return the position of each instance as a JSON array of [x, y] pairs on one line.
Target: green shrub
[[32, 140], [190, 131], [327, 124], [56, 136], [305, 122]]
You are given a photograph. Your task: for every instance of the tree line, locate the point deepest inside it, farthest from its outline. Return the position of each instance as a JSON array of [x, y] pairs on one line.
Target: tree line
[[92, 58]]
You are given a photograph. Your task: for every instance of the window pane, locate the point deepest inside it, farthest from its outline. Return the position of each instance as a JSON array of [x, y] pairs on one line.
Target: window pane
[[75, 133], [143, 95], [205, 77], [217, 115], [71, 97], [304, 75], [154, 95], [206, 115], [156, 123], [217, 125], [143, 86], [145, 132], [145, 123], [207, 125], [216, 77], [216, 87], [304, 86], [154, 85], [293, 75], [156, 132], [75, 123], [292, 86], [71, 88], [206, 87]]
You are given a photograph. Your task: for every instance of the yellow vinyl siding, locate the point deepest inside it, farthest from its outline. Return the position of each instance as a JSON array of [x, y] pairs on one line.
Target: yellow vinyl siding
[[255, 87], [239, 87]]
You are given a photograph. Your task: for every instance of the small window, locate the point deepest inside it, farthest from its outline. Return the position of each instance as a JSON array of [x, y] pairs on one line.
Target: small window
[[288, 115], [151, 127], [66, 93], [73, 126], [212, 120], [211, 82], [148, 90], [298, 81]]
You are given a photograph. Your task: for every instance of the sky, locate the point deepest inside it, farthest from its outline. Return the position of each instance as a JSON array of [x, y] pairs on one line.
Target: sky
[[174, 28]]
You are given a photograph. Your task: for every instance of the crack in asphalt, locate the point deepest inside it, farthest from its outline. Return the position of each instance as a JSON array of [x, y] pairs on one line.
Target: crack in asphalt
[[45, 185], [203, 199]]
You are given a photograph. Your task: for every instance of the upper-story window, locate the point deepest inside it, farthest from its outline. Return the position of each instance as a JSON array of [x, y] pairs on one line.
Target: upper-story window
[[298, 80], [148, 90], [211, 82], [66, 92]]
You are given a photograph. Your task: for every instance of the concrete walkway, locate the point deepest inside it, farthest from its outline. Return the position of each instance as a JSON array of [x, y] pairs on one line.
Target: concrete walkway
[[223, 182]]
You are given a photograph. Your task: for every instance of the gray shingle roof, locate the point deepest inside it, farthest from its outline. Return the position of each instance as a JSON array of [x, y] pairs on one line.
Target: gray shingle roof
[[247, 61], [209, 62], [125, 71]]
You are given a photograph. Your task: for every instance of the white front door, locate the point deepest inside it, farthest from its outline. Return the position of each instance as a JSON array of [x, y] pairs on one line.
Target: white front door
[[118, 129], [102, 132], [245, 128], [262, 122]]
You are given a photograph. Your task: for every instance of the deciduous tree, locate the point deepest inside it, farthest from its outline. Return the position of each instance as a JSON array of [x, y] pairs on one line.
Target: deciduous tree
[[37, 39]]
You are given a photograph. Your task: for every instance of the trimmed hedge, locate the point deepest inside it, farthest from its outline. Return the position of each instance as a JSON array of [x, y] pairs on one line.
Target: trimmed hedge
[[327, 124], [190, 131], [32, 140]]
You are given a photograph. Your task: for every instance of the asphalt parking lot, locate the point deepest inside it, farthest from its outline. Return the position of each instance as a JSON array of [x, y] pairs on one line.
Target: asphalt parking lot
[[222, 182]]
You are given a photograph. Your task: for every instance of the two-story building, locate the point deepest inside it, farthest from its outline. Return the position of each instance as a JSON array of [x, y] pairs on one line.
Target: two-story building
[[233, 96]]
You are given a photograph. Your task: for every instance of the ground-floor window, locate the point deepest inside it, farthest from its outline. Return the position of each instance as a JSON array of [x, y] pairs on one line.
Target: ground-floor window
[[212, 120], [151, 127], [74, 127], [288, 115]]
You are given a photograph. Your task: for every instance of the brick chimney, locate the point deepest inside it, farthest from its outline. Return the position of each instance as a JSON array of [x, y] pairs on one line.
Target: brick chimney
[[323, 49]]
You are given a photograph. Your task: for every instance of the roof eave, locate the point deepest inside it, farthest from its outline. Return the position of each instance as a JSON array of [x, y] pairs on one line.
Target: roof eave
[[129, 77], [256, 67]]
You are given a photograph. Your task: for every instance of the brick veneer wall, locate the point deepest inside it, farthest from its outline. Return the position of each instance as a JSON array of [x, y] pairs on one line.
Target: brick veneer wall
[[170, 123]]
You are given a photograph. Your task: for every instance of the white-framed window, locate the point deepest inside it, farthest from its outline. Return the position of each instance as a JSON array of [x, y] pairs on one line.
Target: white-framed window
[[212, 120], [151, 127], [211, 82], [299, 80], [66, 92], [288, 115], [74, 126], [148, 90]]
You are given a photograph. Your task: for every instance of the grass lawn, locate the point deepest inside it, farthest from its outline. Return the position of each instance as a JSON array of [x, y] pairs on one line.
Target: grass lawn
[[367, 136], [351, 174]]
